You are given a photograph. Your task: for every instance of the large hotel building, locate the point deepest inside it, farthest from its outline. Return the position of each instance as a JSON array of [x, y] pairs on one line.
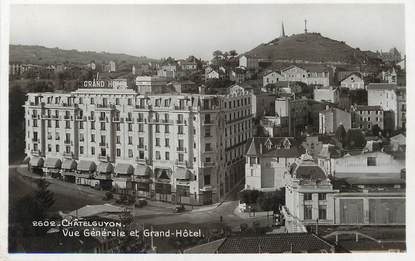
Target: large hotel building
[[179, 148]]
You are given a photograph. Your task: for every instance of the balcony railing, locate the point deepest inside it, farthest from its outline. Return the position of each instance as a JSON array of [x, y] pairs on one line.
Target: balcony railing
[[67, 117], [68, 154], [208, 164], [129, 119], [183, 163], [35, 152], [35, 140], [102, 118], [116, 119], [105, 158], [68, 142], [182, 149], [103, 144]]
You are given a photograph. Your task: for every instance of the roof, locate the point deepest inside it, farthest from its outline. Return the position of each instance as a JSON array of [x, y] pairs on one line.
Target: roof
[[368, 108], [105, 167], [381, 86], [309, 67], [274, 147], [276, 243], [124, 168], [53, 163], [307, 169], [36, 162], [86, 165], [211, 247], [69, 164], [358, 74], [93, 210]]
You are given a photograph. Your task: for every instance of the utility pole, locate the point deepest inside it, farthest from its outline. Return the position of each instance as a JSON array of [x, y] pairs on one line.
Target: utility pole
[[305, 26]]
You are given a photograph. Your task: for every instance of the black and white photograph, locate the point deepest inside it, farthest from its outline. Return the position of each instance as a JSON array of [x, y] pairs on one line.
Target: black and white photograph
[[206, 128]]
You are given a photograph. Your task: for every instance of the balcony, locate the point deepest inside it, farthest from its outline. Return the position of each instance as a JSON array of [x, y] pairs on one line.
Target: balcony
[[35, 140], [67, 142], [208, 122], [179, 107], [103, 144], [80, 118], [104, 158], [91, 118], [37, 116], [140, 120], [140, 106], [46, 116], [140, 146], [102, 118], [55, 117], [35, 152], [167, 121], [182, 163], [68, 155], [208, 164], [67, 117], [182, 122], [116, 119], [181, 149], [129, 119]]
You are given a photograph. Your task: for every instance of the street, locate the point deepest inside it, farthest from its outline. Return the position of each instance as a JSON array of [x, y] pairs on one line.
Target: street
[[70, 196]]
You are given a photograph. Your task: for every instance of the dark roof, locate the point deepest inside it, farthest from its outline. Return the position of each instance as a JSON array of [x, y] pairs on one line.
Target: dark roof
[[310, 172], [358, 74], [276, 243], [381, 86], [368, 108], [276, 149]]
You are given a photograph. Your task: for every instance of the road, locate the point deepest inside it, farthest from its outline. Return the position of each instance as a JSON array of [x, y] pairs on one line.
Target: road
[[71, 196]]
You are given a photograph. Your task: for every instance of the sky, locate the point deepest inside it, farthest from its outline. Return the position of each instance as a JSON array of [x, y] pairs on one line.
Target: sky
[[158, 31]]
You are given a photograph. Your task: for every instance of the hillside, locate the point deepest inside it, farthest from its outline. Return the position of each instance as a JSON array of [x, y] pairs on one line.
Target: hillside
[[311, 47], [34, 54]]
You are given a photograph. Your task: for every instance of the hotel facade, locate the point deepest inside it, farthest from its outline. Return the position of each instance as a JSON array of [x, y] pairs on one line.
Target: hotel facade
[[186, 149]]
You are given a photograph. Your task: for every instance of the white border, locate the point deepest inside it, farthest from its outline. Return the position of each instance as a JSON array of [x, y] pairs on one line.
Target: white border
[[4, 38]]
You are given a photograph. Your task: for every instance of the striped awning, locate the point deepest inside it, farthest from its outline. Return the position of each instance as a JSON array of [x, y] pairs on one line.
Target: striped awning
[[105, 167], [182, 173], [36, 162], [124, 168], [142, 170], [53, 163], [69, 164], [86, 165]]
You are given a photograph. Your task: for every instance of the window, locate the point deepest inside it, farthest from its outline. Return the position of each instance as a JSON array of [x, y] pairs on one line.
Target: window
[[158, 157], [308, 214], [130, 127], [207, 132], [322, 212], [141, 154], [166, 129], [92, 137], [49, 147], [130, 153], [167, 155], [130, 140], [81, 149], [158, 142], [67, 124], [322, 196], [208, 147], [117, 101], [180, 129], [118, 139], [57, 148], [49, 124], [371, 161], [92, 150], [102, 125], [181, 157], [81, 125], [81, 137], [140, 127], [167, 142], [308, 196], [206, 179], [117, 127], [157, 128], [129, 101], [118, 152], [92, 125]]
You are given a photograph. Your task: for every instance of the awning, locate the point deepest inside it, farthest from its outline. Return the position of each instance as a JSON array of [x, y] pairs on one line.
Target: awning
[[69, 164], [105, 167], [86, 165], [36, 162], [163, 173], [124, 168], [26, 160], [142, 170], [182, 173], [53, 163]]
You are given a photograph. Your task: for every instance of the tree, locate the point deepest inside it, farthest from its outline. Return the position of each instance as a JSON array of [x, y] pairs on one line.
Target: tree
[[355, 139], [376, 131], [217, 53], [249, 196], [269, 201], [233, 53], [341, 134], [44, 198]]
